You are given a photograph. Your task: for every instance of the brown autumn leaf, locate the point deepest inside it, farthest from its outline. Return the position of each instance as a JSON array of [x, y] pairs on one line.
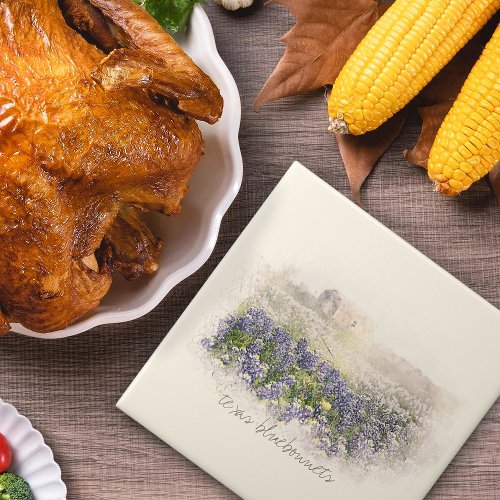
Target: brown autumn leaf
[[361, 152], [432, 117], [495, 181], [317, 47]]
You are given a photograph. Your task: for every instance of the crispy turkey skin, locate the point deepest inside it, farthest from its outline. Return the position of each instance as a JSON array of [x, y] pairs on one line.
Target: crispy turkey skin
[[88, 140]]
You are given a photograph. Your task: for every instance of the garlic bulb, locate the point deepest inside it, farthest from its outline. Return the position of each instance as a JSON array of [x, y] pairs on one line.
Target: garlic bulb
[[234, 4]]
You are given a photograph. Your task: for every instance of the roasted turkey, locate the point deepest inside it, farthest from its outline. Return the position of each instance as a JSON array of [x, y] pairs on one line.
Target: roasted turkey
[[97, 125]]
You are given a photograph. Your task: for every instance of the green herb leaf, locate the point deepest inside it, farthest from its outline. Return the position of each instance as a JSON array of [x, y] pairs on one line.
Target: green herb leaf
[[171, 14]]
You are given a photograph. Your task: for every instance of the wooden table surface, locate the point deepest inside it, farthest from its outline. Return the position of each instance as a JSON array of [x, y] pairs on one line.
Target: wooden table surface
[[69, 388]]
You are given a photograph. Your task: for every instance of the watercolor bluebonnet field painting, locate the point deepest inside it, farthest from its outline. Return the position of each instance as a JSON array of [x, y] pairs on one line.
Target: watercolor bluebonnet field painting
[[311, 360]]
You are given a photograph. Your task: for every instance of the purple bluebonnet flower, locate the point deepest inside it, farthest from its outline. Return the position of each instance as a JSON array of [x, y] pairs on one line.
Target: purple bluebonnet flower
[[262, 324], [206, 343], [304, 414], [327, 373], [305, 358], [250, 367], [243, 324], [289, 380], [283, 341], [290, 412], [255, 347], [283, 355], [224, 327], [270, 391]]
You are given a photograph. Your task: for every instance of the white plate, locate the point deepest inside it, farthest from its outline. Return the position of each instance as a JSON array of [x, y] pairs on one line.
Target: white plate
[[191, 236], [32, 458]]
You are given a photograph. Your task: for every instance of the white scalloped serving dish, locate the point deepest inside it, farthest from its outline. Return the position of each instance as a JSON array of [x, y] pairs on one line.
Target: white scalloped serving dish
[[191, 236], [32, 458]]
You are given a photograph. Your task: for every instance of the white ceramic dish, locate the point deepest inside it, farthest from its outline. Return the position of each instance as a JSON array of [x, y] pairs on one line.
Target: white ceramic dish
[[32, 458], [191, 236]]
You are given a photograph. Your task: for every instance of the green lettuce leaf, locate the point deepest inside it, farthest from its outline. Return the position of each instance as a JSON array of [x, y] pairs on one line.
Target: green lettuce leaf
[[171, 14]]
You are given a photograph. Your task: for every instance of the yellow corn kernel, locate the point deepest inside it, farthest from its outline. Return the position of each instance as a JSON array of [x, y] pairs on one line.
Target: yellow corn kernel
[[464, 167], [475, 141], [493, 143], [369, 115], [493, 101], [458, 175], [447, 171], [467, 182], [435, 169], [358, 115], [477, 133], [403, 51], [363, 88], [464, 152], [456, 185]]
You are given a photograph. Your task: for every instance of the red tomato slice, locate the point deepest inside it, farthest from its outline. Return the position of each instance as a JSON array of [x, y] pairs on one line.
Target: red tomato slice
[[5, 454]]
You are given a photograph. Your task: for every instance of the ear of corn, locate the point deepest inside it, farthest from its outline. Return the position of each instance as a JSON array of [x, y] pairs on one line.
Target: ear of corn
[[467, 145], [403, 51]]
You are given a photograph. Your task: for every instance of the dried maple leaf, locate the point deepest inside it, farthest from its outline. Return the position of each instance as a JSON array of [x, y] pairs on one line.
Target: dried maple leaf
[[495, 181], [432, 117], [361, 152], [317, 47]]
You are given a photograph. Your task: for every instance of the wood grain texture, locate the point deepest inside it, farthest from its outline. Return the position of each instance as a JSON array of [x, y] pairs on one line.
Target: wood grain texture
[[68, 388]]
